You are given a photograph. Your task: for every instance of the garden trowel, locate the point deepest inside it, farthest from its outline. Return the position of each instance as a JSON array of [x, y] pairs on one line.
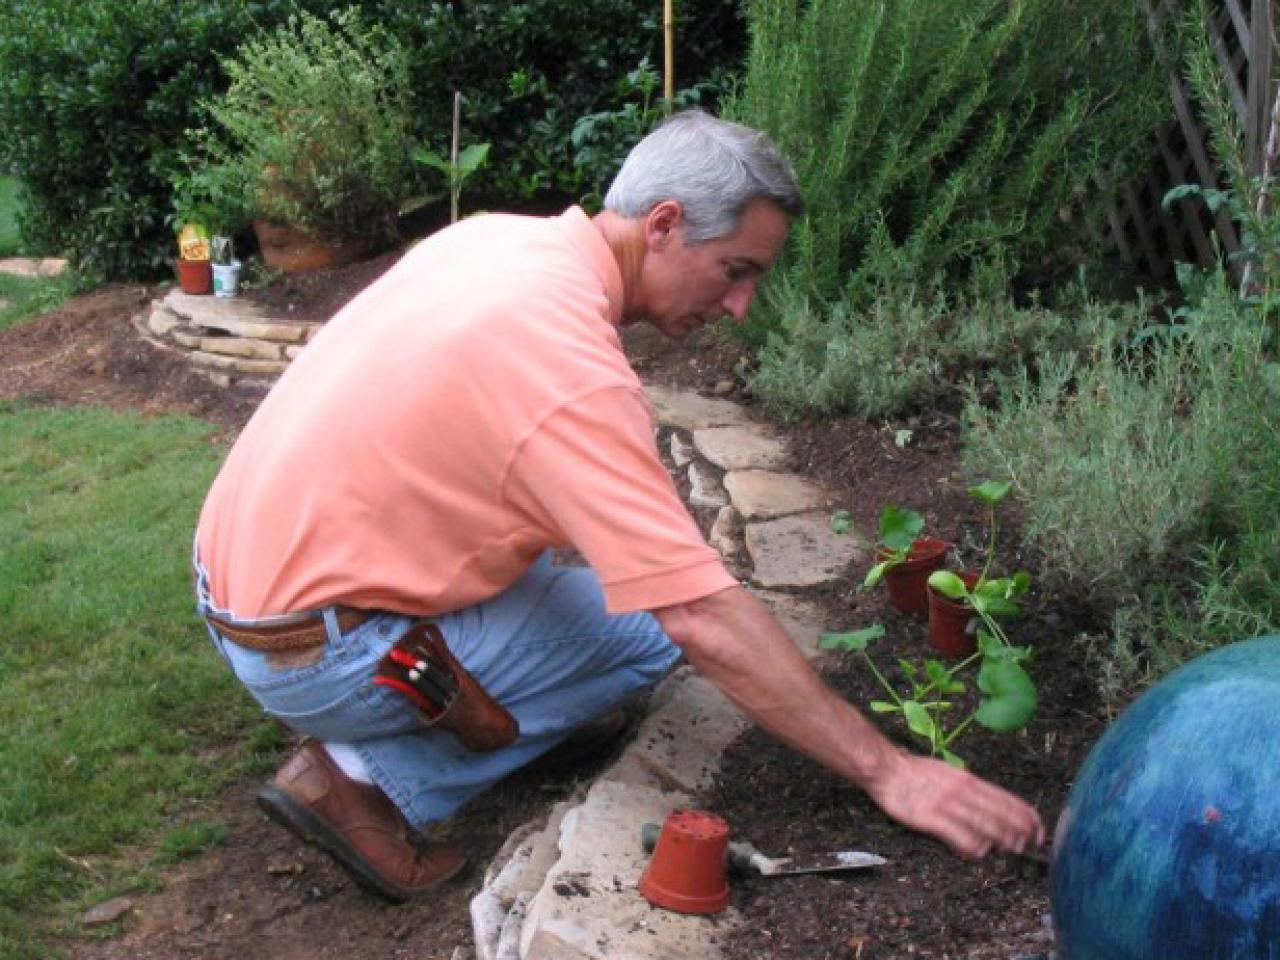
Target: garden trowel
[[746, 859]]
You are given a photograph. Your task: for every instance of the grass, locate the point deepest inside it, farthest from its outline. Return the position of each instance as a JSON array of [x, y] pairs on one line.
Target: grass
[[117, 718], [23, 297]]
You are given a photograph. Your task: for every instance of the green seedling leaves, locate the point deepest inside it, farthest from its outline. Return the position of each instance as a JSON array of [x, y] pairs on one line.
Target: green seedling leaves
[[841, 521], [855, 640], [952, 759], [1011, 696], [883, 706], [919, 720], [948, 584], [899, 527], [876, 573], [941, 679], [991, 492]]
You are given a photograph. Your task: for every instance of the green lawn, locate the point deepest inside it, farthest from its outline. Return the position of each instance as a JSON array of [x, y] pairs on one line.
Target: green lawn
[[112, 700]]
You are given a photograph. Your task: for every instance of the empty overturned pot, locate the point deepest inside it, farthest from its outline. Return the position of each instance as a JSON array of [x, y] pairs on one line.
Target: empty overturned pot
[[687, 872]]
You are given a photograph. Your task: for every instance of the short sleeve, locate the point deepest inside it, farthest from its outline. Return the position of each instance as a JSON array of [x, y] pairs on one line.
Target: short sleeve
[[590, 476]]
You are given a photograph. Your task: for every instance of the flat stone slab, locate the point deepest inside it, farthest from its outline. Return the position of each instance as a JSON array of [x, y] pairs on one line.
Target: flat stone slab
[[802, 620], [801, 551], [704, 489], [688, 411], [762, 494], [750, 447], [33, 267], [678, 747], [590, 907], [237, 317]]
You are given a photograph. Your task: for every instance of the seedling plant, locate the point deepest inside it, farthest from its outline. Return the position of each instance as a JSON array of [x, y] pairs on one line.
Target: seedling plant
[[1007, 695]]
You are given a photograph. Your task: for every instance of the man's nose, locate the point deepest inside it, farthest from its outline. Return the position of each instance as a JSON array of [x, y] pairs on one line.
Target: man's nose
[[738, 299]]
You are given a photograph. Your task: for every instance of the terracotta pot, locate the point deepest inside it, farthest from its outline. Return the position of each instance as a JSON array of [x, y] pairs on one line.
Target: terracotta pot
[[949, 622], [687, 872], [906, 581], [291, 250], [195, 276]]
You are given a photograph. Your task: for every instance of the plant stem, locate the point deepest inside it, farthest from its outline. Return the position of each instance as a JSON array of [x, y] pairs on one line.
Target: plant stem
[[880, 676]]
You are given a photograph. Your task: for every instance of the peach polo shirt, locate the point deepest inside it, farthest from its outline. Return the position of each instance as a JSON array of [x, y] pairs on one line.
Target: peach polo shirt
[[468, 410]]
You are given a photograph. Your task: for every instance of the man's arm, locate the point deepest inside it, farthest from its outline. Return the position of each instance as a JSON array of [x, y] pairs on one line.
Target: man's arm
[[733, 640]]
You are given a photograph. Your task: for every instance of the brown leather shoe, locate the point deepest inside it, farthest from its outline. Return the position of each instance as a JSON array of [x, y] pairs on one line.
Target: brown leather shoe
[[357, 824]]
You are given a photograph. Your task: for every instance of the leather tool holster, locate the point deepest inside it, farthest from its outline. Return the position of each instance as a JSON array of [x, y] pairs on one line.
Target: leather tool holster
[[422, 667]]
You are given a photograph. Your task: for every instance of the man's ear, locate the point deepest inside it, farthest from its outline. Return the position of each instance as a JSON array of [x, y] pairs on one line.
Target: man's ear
[[661, 223]]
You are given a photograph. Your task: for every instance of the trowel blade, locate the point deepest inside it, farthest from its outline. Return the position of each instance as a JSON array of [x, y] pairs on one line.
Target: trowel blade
[[817, 863]]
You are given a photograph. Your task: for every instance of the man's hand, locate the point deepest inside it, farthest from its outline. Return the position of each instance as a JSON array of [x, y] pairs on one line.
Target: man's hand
[[970, 815]]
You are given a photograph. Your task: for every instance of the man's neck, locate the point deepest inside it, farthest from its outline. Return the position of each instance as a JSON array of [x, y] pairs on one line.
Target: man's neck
[[625, 239]]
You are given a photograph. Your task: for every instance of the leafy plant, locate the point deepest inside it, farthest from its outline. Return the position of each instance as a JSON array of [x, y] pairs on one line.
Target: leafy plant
[[899, 529], [1007, 694], [316, 127], [841, 522], [990, 598], [1007, 697], [470, 159]]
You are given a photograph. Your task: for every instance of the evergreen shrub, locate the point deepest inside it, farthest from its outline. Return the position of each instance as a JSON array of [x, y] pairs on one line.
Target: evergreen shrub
[[316, 128]]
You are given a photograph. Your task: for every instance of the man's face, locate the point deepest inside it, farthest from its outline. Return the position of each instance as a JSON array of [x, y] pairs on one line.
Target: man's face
[[687, 286]]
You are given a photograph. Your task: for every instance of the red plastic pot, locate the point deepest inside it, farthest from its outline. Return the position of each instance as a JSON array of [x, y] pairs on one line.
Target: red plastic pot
[[195, 276], [687, 871], [906, 581], [949, 622]]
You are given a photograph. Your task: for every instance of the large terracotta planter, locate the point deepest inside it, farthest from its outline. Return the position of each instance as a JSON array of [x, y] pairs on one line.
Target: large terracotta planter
[[949, 622], [907, 581], [195, 276], [291, 250], [687, 873]]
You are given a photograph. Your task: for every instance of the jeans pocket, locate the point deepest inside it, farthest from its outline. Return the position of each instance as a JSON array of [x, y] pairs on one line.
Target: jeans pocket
[[363, 712]]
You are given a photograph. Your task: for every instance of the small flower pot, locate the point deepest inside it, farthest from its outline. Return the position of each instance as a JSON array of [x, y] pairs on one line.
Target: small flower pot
[[907, 581], [195, 276], [687, 872], [226, 279], [949, 622]]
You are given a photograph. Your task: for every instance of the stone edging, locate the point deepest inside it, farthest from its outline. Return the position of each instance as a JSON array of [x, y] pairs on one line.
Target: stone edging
[[566, 888], [231, 341]]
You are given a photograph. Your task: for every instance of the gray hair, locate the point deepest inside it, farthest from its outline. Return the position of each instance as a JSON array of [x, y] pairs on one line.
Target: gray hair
[[713, 168]]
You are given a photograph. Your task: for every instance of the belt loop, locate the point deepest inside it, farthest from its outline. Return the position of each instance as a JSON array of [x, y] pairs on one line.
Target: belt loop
[[331, 627]]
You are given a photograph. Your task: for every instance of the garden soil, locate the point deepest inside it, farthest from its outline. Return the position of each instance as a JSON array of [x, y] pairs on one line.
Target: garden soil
[[261, 894]]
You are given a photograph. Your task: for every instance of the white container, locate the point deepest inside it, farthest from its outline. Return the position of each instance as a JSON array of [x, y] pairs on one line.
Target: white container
[[226, 279]]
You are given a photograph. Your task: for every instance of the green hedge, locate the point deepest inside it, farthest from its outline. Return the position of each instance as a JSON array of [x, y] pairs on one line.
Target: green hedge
[[96, 96]]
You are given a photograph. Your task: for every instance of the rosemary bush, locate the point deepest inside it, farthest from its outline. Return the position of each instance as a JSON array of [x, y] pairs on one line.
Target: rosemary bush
[[316, 126], [930, 140]]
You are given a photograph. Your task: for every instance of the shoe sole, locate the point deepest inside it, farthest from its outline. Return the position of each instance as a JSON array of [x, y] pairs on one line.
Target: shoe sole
[[281, 807]]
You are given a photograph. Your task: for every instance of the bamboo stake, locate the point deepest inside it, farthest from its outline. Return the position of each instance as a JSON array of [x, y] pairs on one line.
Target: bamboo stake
[[453, 157], [669, 53]]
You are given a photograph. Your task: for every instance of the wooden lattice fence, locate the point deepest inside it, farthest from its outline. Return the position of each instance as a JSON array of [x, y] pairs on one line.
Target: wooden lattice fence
[[1151, 239]]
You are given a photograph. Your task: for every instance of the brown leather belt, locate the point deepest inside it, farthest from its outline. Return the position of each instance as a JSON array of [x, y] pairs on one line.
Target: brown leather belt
[[289, 636]]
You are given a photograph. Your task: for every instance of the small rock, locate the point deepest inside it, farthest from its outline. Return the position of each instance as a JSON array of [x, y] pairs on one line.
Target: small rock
[[723, 388], [282, 866], [108, 911], [681, 451]]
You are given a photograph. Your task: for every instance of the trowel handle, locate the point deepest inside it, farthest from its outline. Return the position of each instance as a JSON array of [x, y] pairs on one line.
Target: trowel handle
[[741, 855]]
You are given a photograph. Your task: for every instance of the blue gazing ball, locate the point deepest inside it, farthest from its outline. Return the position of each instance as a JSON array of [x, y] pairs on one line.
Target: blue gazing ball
[[1169, 845]]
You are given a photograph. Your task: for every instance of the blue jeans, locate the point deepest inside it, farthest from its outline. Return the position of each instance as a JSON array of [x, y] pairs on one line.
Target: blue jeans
[[545, 648]]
